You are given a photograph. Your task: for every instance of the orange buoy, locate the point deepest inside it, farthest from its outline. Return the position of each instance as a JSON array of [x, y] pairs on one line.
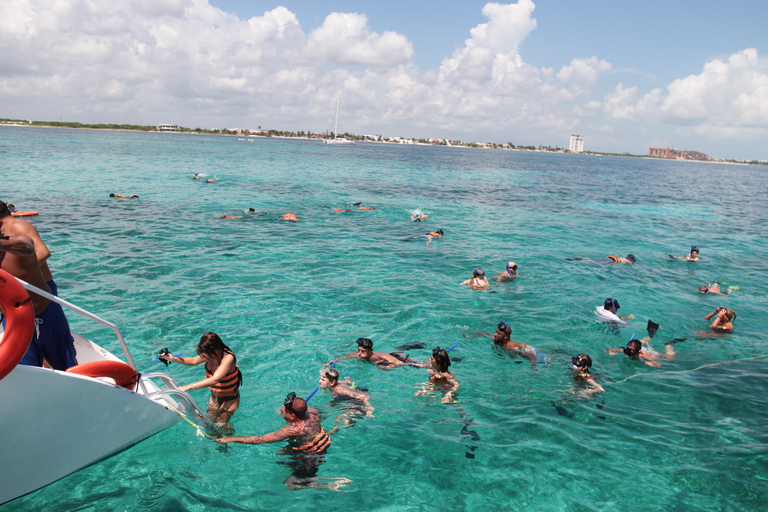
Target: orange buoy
[[19, 322], [123, 375], [23, 214]]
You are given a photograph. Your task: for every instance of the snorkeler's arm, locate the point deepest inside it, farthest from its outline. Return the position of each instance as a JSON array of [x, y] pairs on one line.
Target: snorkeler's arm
[[613, 351], [226, 367], [41, 250], [188, 361], [649, 360], [272, 437], [348, 356], [596, 388]]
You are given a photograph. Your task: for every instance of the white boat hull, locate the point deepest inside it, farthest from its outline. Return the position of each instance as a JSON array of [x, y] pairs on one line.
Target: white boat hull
[[54, 423]]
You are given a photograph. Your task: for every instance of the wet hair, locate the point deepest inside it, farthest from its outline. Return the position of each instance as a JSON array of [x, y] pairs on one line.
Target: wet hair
[[442, 361], [609, 303], [635, 345], [4, 210], [505, 328], [439, 231], [299, 407], [365, 343], [631, 257], [478, 272], [210, 344], [731, 315], [332, 374], [694, 249], [112, 194]]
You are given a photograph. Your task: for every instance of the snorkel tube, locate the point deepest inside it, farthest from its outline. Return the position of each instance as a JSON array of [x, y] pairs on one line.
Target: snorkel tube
[[613, 305], [333, 364]]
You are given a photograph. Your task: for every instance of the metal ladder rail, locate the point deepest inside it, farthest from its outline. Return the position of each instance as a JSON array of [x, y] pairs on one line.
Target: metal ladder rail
[[86, 314]]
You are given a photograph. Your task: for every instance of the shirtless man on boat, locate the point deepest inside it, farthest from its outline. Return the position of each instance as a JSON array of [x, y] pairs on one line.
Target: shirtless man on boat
[[52, 341], [365, 353], [13, 226], [307, 443]]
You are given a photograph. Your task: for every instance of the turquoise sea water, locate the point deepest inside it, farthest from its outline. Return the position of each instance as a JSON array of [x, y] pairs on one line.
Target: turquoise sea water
[[288, 297]]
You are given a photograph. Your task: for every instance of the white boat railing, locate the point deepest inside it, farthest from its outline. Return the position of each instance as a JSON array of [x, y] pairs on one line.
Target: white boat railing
[[87, 314], [186, 401]]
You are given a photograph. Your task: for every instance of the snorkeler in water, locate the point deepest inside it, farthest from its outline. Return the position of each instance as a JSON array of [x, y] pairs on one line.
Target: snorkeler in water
[[429, 236], [441, 377], [509, 274], [478, 281], [631, 259], [418, 218], [581, 365], [121, 196], [365, 353], [724, 319], [693, 256], [356, 403], [361, 207], [713, 289], [501, 338]]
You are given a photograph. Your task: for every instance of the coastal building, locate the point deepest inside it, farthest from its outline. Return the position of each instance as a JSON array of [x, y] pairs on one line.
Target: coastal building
[[676, 154], [168, 128], [577, 143]]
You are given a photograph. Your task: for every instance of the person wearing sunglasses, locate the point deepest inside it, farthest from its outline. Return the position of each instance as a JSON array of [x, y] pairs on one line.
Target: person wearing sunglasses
[[581, 365], [365, 353], [307, 443], [478, 281], [354, 403], [501, 338], [508, 275]]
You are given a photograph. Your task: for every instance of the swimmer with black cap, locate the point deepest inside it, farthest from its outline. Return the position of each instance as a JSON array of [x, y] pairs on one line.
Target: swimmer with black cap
[[121, 196], [693, 256], [478, 281], [580, 365], [611, 305], [365, 353]]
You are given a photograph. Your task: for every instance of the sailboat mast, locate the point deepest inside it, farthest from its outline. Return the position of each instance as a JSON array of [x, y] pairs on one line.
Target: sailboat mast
[[336, 128]]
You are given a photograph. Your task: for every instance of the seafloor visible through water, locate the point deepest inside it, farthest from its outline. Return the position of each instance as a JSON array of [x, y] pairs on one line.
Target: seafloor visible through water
[[287, 297]]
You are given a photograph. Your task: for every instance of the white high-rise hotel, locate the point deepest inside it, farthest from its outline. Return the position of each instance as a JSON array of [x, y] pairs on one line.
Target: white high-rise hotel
[[577, 143]]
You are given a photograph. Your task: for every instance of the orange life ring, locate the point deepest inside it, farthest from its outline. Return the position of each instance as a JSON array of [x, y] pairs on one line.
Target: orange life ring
[[23, 214], [124, 375], [19, 322]]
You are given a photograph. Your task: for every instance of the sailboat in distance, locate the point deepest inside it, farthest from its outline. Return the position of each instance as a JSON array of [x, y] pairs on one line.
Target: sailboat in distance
[[336, 139]]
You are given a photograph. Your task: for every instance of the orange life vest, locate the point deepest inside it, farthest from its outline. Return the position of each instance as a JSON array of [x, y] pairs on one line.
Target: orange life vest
[[229, 384], [317, 445]]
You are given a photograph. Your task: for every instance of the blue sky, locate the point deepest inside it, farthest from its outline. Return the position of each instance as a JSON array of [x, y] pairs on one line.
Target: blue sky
[[626, 75]]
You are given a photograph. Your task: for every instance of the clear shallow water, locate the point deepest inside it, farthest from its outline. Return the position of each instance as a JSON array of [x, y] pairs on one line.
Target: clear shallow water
[[287, 297]]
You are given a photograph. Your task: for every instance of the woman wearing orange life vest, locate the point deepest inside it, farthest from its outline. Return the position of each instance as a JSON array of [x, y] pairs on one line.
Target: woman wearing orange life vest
[[222, 375]]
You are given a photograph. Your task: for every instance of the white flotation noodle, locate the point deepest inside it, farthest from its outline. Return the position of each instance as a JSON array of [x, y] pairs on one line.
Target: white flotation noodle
[[607, 316]]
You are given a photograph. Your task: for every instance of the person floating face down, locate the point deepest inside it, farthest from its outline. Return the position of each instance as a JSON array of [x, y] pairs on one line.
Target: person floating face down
[[629, 259], [509, 274], [581, 365], [357, 403], [478, 281], [713, 289], [307, 444], [723, 319], [365, 353], [642, 351]]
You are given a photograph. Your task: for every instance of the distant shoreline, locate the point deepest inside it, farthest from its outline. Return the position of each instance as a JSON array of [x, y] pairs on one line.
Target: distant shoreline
[[317, 137]]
